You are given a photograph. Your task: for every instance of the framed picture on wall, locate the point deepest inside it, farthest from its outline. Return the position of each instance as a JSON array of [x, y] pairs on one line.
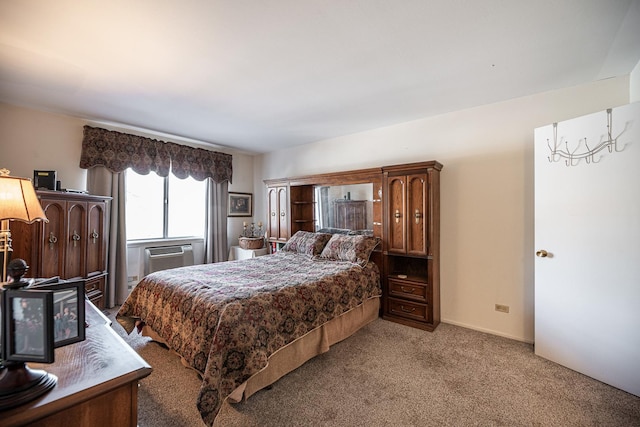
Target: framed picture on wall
[[240, 204]]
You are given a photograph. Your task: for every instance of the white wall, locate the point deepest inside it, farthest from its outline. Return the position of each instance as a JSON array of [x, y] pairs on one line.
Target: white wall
[[486, 192], [31, 140]]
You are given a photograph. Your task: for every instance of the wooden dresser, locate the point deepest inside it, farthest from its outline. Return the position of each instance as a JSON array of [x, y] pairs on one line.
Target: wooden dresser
[[73, 244], [97, 383]]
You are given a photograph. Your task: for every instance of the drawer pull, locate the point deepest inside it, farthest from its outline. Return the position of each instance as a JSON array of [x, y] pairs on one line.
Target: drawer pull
[[75, 237], [407, 311], [407, 291], [52, 240]]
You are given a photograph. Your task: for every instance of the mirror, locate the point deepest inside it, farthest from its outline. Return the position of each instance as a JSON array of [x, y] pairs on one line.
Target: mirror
[[345, 209]]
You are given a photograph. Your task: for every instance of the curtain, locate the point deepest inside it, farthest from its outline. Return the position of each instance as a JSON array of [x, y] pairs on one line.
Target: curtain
[[215, 240], [102, 181], [107, 154], [118, 151]]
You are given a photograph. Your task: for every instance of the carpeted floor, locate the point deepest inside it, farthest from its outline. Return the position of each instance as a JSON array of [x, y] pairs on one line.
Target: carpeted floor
[[392, 375]]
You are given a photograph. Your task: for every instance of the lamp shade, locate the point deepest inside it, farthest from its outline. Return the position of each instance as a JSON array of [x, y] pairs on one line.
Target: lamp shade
[[18, 199]]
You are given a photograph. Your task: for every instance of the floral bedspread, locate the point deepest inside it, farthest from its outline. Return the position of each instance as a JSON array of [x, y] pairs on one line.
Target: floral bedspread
[[226, 319]]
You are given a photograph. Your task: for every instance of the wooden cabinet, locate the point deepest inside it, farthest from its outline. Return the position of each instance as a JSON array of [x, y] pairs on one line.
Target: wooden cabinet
[[411, 283], [97, 382], [291, 209], [408, 197], [73, 244]]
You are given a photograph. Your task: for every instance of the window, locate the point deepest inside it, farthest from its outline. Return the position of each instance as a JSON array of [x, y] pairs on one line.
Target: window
[[164, 208]]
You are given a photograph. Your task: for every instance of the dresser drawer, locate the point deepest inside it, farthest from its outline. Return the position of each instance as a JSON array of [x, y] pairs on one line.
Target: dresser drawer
[[94, 289], [409, 290], [409, 309]]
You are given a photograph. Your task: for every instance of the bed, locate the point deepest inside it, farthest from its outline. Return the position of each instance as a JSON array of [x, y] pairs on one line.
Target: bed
[[244, 324]]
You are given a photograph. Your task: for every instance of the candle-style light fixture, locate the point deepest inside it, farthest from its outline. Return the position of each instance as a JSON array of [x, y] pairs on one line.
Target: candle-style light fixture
[[252, 236]]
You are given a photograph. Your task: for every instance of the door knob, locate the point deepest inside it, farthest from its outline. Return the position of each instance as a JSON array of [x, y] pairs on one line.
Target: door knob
[[542, 253]]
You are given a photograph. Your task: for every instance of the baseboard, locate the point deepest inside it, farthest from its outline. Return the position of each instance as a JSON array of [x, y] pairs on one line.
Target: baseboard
[[488, 331]]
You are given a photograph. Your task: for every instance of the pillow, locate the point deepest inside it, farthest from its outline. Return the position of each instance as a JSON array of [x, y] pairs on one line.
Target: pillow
[[306, 242], [356, 249]]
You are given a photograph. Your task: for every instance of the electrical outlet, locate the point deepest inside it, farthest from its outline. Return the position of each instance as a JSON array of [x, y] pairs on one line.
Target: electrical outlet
[[502, 308]]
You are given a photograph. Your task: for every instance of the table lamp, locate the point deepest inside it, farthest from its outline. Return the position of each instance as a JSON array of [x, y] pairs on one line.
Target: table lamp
[[18, 383]]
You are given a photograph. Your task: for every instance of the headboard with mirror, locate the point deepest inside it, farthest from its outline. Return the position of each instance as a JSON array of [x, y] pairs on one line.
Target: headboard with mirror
[[341, 202]]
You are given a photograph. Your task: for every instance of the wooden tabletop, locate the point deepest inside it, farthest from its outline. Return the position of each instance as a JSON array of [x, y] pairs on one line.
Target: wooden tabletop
[[87, 369]]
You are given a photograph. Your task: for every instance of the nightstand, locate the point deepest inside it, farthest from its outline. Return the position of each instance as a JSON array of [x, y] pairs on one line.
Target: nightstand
[[237, 253]]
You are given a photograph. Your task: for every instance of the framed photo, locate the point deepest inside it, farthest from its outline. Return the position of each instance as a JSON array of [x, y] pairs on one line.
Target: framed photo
[[28, 323], [240, 204], [68, 314]]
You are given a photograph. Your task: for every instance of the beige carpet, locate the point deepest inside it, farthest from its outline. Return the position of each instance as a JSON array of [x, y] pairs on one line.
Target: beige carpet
[[392, 375]]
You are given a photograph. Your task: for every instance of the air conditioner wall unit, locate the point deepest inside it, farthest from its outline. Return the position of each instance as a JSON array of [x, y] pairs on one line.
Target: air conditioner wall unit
[[166, 257]]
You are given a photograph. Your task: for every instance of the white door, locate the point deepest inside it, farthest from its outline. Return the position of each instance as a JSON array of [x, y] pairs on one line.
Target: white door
[[587, 218]]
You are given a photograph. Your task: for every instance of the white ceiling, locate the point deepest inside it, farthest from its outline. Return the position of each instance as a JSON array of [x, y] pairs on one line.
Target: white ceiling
[[268, 74]]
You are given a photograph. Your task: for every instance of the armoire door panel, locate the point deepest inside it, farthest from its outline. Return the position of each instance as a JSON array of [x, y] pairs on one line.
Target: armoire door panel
[[274, 218], [50, 261], [283, 228], [96, 250], [397, 208], [416, 214], [76, 240]]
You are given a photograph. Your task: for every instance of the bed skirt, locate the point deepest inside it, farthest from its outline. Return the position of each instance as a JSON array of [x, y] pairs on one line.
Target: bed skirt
[[296, 353]]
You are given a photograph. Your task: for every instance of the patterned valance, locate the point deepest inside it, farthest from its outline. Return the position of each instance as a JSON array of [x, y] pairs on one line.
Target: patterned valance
[[118, 151]]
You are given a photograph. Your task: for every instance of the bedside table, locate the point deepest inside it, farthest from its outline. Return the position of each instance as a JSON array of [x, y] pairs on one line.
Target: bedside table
[[236, 253]]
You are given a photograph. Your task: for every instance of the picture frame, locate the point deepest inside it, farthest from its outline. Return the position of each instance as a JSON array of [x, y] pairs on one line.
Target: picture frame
[[28, 320], [240, 204], [68, 314]]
